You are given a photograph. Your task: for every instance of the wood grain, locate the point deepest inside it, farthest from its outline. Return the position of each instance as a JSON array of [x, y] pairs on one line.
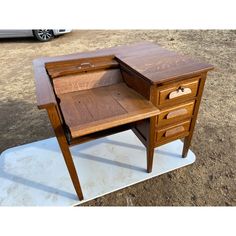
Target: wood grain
[[136, 82], [176, 113], [102, 108], [187, 140], [69, 67], [59, 132], [172, 131], [84, 81], [165, 91], [44, 91], [146, 59], [93, 94], [180, 92]]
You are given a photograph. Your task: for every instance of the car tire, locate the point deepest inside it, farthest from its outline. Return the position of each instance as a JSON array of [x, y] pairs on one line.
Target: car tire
[[43, 35]]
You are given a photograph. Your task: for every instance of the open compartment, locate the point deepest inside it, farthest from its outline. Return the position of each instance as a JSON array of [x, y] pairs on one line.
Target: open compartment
[[93, 96]]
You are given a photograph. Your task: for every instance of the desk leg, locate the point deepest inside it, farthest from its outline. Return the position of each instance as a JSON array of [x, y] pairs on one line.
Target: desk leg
[[57, 126], [150, 143], [187, 140]]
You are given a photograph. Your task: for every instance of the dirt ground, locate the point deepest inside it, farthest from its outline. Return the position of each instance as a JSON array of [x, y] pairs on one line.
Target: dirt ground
[[211, 180]]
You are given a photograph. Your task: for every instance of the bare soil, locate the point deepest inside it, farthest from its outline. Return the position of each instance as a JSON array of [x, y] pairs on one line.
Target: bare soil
[[211, 180]]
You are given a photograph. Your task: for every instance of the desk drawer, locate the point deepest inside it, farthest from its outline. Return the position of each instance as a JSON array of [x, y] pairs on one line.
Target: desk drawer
[[175, 114], [82, 65], [175, 131], [178, 91]]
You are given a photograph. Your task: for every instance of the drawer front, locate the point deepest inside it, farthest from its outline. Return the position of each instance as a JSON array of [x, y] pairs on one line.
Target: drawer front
[[176, 131], [179, 91], [82, 65], [175, 114]]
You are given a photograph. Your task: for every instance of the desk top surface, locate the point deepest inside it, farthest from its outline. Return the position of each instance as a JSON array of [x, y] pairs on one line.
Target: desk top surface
[[154, 63]]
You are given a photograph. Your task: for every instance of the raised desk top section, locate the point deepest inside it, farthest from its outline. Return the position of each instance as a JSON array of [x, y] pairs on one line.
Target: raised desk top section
[[159, 65]]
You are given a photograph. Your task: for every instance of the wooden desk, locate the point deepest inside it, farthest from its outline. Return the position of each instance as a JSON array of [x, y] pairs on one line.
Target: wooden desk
[[143, 87]]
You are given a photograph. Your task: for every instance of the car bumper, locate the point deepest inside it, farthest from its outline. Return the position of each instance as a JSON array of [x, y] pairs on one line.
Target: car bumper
[[61, 31]]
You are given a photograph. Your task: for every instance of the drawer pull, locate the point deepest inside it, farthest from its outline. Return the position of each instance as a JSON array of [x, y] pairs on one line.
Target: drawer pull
[[174, 131], [85, 65], [180, 112], [179, 92]]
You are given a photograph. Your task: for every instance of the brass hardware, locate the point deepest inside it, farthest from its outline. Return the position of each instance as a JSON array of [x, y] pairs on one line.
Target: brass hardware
[[179, 92]]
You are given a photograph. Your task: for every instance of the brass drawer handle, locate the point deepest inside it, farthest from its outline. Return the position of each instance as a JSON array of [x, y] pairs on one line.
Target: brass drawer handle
[[179, 92], [180, 112], [174, 131], [85, 65]]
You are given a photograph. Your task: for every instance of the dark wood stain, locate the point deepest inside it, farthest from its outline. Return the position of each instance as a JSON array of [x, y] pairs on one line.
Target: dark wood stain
[[143, 87]]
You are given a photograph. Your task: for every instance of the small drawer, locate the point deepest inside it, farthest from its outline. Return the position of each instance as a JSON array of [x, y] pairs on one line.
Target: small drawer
[[175, 114], [176, 131], [179, 91]]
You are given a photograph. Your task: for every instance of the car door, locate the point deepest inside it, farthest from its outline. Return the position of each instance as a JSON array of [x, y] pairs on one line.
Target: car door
[[15, 33]]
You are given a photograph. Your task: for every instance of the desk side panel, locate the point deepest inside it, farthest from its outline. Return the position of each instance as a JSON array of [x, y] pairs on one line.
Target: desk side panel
[[44, 91]]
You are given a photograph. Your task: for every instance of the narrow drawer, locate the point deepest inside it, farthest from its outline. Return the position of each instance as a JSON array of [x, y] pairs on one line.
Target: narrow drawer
[[175, 131], [175, 114], [82, 65], [178, 91]]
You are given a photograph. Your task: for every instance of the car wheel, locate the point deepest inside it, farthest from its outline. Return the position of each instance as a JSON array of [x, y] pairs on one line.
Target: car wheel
[[43, 35]]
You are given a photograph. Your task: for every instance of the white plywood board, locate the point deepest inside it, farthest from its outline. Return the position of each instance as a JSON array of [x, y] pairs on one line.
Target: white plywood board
[[35, 174]]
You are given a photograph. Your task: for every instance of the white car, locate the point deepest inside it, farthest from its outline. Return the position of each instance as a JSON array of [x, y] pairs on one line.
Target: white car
[[42, 35]]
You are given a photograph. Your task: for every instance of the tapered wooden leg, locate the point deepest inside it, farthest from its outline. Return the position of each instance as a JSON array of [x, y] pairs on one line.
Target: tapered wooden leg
[[57, 126], [187, 142], [150, 144], [150, 153], [71, 168]]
